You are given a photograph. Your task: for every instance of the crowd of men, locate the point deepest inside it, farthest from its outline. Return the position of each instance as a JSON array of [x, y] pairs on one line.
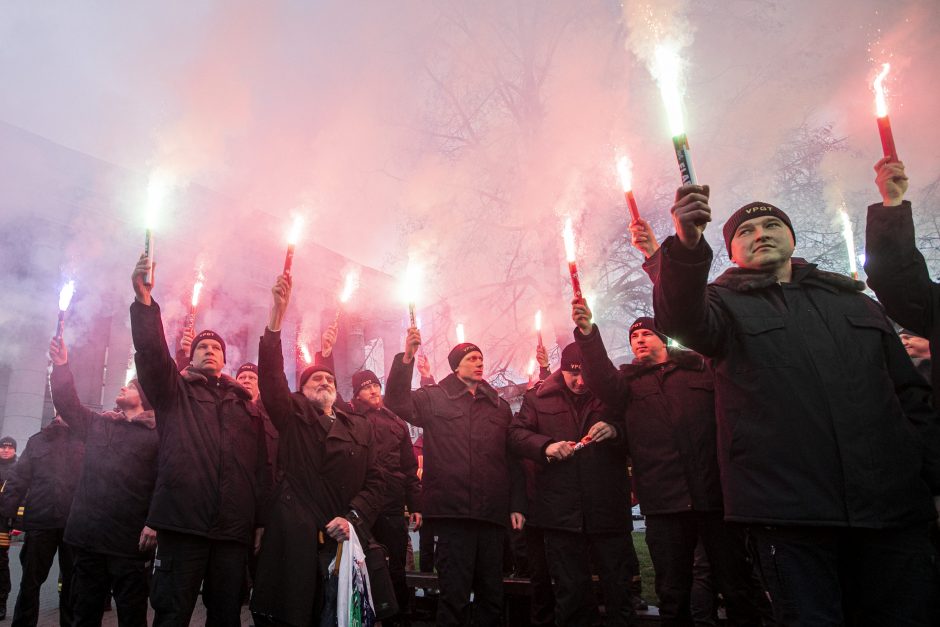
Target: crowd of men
[[787, 439]]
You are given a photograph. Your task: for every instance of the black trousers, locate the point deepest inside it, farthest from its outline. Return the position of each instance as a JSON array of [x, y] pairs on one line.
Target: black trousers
[[39, 548], [4, 575], [542, 607], [96, 576], [426, 545], [391, 530], [469, 559], [570, 556], [183, 563], [849, 576], [672, 538]]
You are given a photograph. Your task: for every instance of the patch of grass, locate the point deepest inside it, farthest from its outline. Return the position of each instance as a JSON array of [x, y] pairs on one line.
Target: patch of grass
[[647, 574]]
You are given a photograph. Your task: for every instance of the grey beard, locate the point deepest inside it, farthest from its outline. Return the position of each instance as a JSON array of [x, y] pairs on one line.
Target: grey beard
[[321, 398]]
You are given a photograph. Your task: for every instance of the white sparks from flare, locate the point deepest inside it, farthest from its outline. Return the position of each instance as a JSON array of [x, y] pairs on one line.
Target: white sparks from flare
[[881, 103], [293, 235], [667, 70], [538, 320], [197, 288], [158, 188], [625, 170], [411, 283], [849, 237], [461, 334], [532, 365], [568, 235], [350, 285], [305, 353], [65, 295]]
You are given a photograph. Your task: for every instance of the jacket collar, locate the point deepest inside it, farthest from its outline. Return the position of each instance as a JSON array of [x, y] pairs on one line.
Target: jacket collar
[[364, 409], [191, 375], [454, 388], [144, 419], [684, 359], [744, 280], [554, 384]]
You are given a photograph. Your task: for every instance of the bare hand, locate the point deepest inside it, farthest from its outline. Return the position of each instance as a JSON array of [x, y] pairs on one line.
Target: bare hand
[[541, 356], [328, 339], [259, 533], [412, 342], [642, 238], [424, 366], [559, 451], [281, 293], [416, 520], [581, 314], [58, 352], [338, 529], [892, 181], [691, 214], [518, 520], [601, 431], [148, 540], [141, 274], [186, 342]]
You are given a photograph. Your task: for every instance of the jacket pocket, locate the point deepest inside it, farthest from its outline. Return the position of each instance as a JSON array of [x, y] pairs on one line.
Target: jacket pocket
[[761, 337], [866, 338]]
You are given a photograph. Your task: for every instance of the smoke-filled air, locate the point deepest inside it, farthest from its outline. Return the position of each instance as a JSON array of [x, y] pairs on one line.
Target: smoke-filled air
[[436, 148]]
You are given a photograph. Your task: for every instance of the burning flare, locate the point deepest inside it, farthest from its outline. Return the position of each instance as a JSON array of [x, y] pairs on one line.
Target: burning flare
[[294, 233], [667, 70], [849, 236], [532, 366], [461, 335], [538, 320], [350, 286], [625, 170], [65, 295], [197, 290], [568, 235], [158, 188], [881, 104], [305, 353]]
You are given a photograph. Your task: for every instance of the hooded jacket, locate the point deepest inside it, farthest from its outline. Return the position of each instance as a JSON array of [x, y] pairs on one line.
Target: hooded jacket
[[118, 474], [212, 465], [822, 418], [468, 471], [669, 411], [588, 492], [44, 479]]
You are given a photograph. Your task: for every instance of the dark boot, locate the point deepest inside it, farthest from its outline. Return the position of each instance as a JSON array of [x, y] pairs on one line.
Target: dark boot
[[636, 594]]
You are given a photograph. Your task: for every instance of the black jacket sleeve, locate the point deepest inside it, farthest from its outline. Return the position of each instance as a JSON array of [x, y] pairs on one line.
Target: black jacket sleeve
[[398, 395], [600, 375], [409, 466], [897, 271], [525, 440], [17, 485], [272, 382], [156, 369], [368, 501], [67, 403], [685, 310]]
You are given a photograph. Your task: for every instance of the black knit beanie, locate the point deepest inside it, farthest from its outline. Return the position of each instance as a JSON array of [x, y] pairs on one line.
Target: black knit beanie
[[749, 212]]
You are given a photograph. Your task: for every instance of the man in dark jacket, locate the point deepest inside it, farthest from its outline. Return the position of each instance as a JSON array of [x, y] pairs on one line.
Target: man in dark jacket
[[581, 496], [45, 478], [106, 527], [404, 488], [212, 470], [471, 484], [667, 399], [247, 377], [824, 426], [896, 270], [7, 461], [331, 477]]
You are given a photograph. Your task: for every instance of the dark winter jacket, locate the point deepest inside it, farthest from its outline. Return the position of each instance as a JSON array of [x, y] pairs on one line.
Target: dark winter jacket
[[212, 470], [327, 468], [271, 440], [44, 479], [588, 492], [6, 468], [120, 469], [669, 410], [822, 419], [393, 440], [898, 275], [468, 472]]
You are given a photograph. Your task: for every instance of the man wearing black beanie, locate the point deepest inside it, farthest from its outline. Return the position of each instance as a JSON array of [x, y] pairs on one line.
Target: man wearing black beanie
[[7, 462], [827, 443], [582, 498], [212, 476], [472, 488], [107, 523], [666, 397], [330, 477]]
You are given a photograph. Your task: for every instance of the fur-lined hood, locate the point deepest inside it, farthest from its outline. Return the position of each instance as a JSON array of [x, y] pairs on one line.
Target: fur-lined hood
[[191, 375], [144, 419], [744, 280]]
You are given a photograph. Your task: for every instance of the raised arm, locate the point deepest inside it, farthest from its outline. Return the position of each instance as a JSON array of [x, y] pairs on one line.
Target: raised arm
[[156, 369], [398, 395], [272, 381], [897, 271], [64, 396], [600, 374]]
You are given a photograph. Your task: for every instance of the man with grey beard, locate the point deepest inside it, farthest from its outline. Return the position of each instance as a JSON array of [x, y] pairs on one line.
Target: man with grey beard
[[330, 477]]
